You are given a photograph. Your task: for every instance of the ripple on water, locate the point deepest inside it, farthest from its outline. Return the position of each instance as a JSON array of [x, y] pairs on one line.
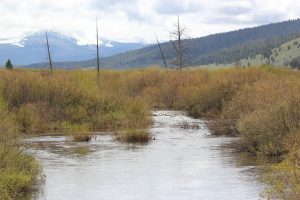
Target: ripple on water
[[178, 164]]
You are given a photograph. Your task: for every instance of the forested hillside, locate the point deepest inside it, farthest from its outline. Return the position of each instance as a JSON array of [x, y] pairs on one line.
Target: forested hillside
[[286, 54], [222, 48]]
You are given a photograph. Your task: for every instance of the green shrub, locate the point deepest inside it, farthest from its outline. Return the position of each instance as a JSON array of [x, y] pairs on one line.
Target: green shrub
[[283, 179], [28, 118], [266, 116], [78, 133], [18, 171], [264, 130], [8, 128]]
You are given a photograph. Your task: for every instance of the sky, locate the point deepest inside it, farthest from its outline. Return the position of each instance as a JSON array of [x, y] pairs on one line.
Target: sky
[[137, 20]]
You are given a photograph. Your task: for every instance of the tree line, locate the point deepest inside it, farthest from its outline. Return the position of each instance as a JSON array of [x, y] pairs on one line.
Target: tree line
[[180, 51]]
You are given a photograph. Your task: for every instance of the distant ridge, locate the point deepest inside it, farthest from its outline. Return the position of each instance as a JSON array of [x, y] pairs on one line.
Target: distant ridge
[[32, 48], [221, 48]]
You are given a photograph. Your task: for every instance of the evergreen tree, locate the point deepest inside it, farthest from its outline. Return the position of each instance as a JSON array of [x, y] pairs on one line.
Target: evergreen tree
[[8, 64]]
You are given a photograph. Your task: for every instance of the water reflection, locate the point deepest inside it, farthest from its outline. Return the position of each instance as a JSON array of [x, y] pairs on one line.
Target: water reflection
[[178, 164]]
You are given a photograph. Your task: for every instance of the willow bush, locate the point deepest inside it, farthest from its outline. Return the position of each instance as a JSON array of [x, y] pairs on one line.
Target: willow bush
[[261, 105]]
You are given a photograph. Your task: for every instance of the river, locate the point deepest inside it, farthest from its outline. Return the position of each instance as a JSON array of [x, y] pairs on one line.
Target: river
[[178, 164]]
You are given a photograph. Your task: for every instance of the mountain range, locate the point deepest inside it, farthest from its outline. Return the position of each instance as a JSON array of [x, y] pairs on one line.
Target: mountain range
[[32, 48], [218, 49]]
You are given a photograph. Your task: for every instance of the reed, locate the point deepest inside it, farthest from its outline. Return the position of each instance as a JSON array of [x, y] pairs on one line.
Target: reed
[[18, 171], [81, 137], [134, 136], [260, 105]]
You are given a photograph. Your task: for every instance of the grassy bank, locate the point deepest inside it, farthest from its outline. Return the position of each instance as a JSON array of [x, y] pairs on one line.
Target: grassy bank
[[18, 171], [260, 105], [65, 100], [70, 102]]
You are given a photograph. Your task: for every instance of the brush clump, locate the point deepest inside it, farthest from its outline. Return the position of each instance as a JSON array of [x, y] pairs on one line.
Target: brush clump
[[134, 136]]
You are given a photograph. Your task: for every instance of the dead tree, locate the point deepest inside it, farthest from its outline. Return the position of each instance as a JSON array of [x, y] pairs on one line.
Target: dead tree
[[179, 44], [161, 51], [49, 53], [97, 46]]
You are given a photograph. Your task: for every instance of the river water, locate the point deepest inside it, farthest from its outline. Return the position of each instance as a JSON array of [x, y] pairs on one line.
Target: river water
[[179, 164]]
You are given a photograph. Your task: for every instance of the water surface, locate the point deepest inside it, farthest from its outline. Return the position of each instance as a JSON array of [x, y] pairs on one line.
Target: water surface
[[179, 164]]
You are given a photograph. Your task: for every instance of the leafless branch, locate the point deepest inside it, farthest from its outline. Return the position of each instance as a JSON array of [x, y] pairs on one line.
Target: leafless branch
[[177, 40], [48, 50], [161, 51], [98, 57]]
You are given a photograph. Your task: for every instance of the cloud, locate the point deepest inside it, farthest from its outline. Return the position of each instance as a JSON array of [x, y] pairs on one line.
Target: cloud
[[177, 6], [136, 20], [109, 5], [238, 10]]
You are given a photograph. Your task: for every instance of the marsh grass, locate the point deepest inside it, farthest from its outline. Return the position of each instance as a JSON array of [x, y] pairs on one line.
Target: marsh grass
[[46, 102], [81, 137], [18, 171], [261, 105], [77, 132], [222, 127], [134, 136], [283, 179], [235, 101]]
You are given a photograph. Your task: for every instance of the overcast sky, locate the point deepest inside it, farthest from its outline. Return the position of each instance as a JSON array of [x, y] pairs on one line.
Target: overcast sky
[[136, 20]]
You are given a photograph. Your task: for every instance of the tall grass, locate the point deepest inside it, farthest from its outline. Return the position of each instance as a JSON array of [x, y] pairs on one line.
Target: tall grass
[[261, 105], [46, 102], [283, 179], [18, 171], [70, 102], [134, 136]]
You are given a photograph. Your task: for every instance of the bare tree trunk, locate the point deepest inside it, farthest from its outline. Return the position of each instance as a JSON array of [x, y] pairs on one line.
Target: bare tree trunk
[[98, 57], [177, 34], [49, 54], [161, 51]]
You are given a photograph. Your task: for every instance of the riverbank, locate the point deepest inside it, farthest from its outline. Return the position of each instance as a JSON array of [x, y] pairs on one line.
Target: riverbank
[[179, 164], [18, 171], [259, 105]]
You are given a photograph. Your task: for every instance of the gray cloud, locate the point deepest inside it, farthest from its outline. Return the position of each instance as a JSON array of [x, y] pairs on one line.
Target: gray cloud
[[265, 18], [251, 19], [132, 20], [109, 5], [128, 6], [176, 7], [238, 10]]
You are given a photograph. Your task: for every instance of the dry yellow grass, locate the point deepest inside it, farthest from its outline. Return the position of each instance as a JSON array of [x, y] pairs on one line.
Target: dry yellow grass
[[260, 105], [134, 136]]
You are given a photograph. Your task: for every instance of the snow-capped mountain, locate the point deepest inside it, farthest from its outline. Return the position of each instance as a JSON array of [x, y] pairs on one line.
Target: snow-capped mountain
[[32, 48]]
